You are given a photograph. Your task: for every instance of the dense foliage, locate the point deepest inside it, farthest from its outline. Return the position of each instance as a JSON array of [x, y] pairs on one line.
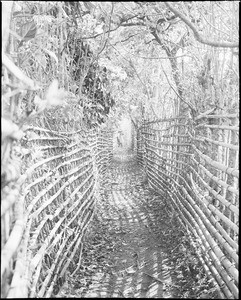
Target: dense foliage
[[84, 63], [69, 67], [98, 102], [149, 58]]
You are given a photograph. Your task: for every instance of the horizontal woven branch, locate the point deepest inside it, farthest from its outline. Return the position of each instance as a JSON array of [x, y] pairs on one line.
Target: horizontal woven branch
[[168, 150], [227, 116], [219, 127], [173, 172], [218, 143], [164, 120], [219, 182], [210, 206], [217, 165], [203, 246], [215, 254]]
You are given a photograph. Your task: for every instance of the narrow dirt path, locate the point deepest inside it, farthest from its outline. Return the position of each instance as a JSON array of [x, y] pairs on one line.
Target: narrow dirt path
[[135, 247]]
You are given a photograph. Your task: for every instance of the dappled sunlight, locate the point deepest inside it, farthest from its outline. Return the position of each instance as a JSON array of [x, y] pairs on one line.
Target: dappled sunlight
[[137, 248], [120, 149]]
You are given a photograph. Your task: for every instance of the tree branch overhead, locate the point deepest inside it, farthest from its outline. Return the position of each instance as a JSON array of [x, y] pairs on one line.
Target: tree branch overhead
[[197, 34]]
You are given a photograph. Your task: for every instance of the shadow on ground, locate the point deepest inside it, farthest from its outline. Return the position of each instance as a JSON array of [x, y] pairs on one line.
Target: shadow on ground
[[135, 246]]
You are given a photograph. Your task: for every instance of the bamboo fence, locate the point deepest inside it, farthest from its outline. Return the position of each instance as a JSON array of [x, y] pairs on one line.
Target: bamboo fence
[[43, 225], [51, 169], [194, 164]]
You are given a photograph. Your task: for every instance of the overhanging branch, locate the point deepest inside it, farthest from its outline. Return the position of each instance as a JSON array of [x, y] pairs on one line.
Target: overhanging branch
[[197, 34], [187, 103]]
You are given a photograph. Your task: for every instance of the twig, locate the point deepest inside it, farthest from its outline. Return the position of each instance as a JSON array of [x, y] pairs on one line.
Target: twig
[[188, 104], [103, 47], [162, 281], [197, 34]]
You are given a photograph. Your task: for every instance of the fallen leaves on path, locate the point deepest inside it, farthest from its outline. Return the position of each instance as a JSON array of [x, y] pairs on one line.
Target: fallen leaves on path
[[136, 246]]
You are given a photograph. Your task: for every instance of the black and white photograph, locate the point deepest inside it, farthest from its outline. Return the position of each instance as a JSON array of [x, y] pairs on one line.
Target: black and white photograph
[[120, 149]]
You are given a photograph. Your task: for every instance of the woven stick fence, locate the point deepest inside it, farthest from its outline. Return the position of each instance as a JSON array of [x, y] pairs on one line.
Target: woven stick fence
[[194, 164], [43, 226], [50, 178]]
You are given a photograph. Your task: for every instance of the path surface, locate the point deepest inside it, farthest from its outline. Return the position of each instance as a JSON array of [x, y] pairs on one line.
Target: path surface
[[135, 247]]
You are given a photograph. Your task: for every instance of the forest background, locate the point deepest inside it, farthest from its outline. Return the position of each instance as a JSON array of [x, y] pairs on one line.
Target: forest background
[[80, 66]]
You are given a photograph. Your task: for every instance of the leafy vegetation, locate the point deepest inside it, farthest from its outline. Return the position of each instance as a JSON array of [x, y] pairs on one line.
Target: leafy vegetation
[[148, 58], [77, 67]]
